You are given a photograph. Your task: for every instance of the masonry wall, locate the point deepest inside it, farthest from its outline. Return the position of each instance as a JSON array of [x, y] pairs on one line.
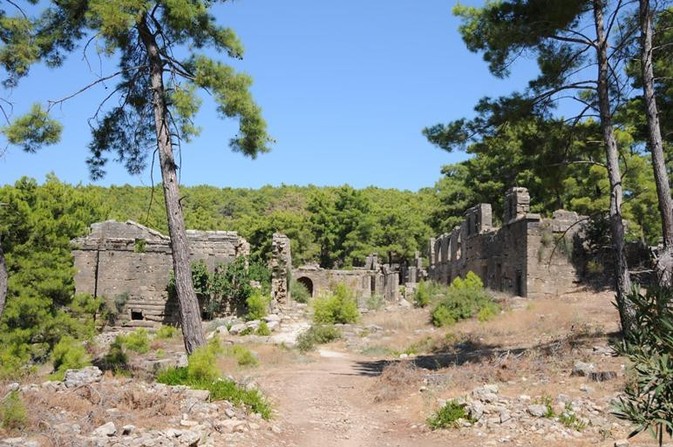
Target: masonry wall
[[130, 265], [528, 256], [365, 283]]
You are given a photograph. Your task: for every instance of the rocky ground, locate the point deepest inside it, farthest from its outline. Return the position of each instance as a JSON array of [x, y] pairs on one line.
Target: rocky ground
[[540, 374]]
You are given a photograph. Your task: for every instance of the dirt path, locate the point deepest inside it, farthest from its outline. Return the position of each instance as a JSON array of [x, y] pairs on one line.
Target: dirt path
[[328, 403]]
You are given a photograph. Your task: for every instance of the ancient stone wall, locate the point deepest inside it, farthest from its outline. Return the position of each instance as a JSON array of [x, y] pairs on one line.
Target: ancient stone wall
[[130, 266], [372, 280], [528, 256]]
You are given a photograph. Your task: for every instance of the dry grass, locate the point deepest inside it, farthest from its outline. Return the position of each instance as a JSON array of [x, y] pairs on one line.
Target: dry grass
[[396, 381]]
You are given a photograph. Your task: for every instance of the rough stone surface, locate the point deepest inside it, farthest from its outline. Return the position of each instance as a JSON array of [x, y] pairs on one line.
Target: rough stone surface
[[528, 256]]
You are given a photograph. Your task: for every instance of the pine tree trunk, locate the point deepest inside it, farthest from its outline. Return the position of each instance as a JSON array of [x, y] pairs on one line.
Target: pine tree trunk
[[665, 261], [3, 279], [190, 316], [623, 280]]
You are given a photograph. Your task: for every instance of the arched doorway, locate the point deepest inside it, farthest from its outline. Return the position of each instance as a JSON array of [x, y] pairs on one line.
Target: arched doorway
[[306, 282]]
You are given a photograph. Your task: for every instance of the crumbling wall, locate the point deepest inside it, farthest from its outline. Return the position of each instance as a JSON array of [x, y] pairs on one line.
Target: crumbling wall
[[280, 265], [130, 265], [528, 256], [372, 280]]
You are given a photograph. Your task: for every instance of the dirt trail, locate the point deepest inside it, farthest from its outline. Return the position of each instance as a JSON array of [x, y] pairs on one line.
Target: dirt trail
[[327, 403]]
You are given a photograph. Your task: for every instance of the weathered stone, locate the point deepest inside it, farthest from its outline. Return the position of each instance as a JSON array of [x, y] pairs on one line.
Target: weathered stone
[[107, 429], [582, 369], [78, 377], [537, 410]]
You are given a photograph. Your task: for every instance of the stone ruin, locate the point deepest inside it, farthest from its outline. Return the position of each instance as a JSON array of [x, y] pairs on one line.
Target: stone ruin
[[130, 265], [372, 280], [528, 256]]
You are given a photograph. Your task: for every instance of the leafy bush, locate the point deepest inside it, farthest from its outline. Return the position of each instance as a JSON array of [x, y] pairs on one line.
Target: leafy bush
[[422, 294], [68, 354], [13, 414], [201, 373], [647, 401], [116, 359], [317, 335], [243, 356], [463, 299], [299, 292], [136, 341], [263, 329], [166, 332], [340, 307], [258, 305], [448, 416], [202, 364]]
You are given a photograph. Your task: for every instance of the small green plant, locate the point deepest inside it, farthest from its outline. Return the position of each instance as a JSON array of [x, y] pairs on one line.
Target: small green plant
[[263, 329], [569, 419], [317, 335], [340, 307], [201, 365], [139, 245], [166, 332], [258, 305], [299, 292], [243, 356], [548, 403], [489, 311], [68, 354], [136, 341], [422, 294], [448, 416], [13, 415], [201, 373], [116, 359]]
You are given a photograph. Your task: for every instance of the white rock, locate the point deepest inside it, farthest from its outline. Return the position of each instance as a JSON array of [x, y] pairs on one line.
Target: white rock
[[108, 429]]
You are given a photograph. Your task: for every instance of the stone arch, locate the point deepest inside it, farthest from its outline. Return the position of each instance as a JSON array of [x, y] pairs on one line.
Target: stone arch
[[306, 282]]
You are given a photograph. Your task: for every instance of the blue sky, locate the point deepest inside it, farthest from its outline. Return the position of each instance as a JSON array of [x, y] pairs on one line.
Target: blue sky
[[346, 88]]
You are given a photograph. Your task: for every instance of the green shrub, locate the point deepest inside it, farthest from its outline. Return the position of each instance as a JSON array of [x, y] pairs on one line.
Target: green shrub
[[243, 356], [13, 414], [647, 400], [166, 332], [448, 416], [340, 307], [299, 292], [136, 341], [258, 305], [116, 359], [263, 329], [317, 335], [202, 364], [201, 373], [422, 294], [68, 354], [464, 298]]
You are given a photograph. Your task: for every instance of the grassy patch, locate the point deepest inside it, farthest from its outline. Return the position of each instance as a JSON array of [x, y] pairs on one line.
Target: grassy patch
[[317, 335], [201, 373], [136, 341]]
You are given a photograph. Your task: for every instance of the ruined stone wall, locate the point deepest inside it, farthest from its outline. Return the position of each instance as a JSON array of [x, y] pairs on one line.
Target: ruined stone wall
[[528, 256], [365, 283], [130, 266]]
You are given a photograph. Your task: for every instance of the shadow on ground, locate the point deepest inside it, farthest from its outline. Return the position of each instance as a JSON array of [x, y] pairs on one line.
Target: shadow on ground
[[474, 352]]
